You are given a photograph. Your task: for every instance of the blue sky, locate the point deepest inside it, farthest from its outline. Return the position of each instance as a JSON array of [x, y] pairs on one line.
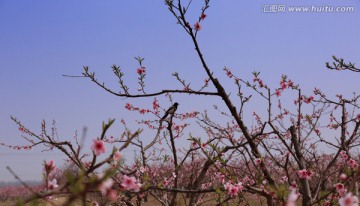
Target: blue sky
[[41, 40]]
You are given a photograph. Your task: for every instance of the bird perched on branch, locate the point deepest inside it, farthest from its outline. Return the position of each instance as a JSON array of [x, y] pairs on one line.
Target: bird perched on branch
[[170, 111]]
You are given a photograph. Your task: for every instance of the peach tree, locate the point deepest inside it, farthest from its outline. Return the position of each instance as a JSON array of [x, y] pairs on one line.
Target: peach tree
[[296, 148]]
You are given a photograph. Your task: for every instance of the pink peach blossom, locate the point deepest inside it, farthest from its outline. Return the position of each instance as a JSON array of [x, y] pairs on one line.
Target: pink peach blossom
[[203, 16], [291, 200], [129, 183], [305, 174], [49, 166], [112, 195], [94, 203], [197, 26], [98, 147], [349, 200], [233, 190], [105, 185], [52, 184], [117, 156], [343, 177], [277, 92], [340, 188], [141, 70]]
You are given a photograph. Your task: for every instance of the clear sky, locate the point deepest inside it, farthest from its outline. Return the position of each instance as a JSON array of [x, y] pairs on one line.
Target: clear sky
[[40, 40]]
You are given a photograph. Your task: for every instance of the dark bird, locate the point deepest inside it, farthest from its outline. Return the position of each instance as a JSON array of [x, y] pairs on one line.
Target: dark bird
[[170, 111]]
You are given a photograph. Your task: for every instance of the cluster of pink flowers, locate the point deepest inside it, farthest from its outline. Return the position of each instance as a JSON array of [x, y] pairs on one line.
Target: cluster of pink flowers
[[260, 81], [143, 169], [167, 181], [228, 72], [130, 183], [340, 97], [49, 167], [16, 191], [189, 115], [23, 129], [144, 111], [110, 140], [98, 147], [16, 147], [155, 104], [128, 106], [197, 25], [308, 100], [105, 187], [346, 199], [344, 156], [284, 84], [257, 117], [219, 177], [247, 181], [179, 128], [352, 163], [233, 189], [305, 174]]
